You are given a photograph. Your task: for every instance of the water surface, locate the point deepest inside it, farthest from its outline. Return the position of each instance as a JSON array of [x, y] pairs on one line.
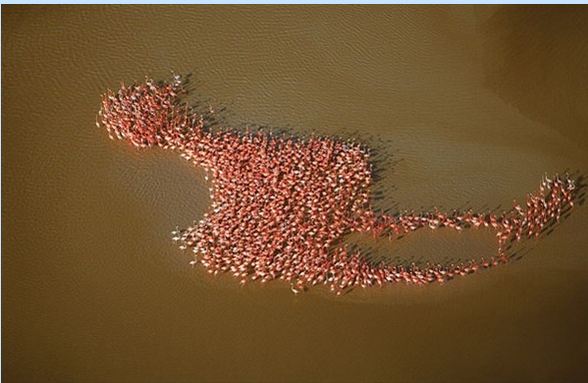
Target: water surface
[[470, 105]]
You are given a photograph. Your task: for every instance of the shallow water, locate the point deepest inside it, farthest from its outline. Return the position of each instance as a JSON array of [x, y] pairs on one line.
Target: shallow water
[[469, 105]]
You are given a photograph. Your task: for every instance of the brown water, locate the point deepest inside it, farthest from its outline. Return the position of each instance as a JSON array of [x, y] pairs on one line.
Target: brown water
[[471, 105]]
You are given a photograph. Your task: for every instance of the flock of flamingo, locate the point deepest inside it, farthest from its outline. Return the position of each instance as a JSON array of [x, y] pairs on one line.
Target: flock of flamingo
[[281, 205]]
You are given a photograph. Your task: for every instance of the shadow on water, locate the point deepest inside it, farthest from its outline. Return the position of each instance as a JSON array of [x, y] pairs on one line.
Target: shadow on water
[[534, 59]]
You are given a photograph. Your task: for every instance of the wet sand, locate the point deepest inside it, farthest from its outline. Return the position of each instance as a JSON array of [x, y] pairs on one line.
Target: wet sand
[[470, 105]]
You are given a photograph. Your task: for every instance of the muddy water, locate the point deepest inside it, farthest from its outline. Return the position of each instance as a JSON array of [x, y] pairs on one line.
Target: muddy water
[[469, 106]]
